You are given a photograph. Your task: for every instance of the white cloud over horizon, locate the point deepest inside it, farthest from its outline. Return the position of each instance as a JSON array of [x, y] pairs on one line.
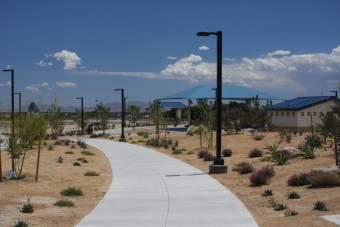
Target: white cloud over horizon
[[70, 59], [279, 72], [66, 84]]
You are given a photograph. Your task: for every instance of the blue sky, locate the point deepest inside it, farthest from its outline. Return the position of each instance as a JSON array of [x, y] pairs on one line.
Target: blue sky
[[67, 49]]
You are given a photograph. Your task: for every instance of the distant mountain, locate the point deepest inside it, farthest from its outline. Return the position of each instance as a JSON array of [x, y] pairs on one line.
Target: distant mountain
[[114, 107]]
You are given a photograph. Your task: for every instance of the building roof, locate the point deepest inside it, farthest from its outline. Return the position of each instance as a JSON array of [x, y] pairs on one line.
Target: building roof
[[300, 103], [172, 104]]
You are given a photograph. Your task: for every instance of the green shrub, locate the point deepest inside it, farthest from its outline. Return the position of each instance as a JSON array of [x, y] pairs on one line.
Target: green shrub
[[177, 152], [308, 152], [289, 213], [69, 152], [256, 152], [298, 180], [21, 224], [267, 192], [27, 208], [64, 203], [243, 168], [83, 160], [313, 140], [87, 153], [281, 157], [91, 174], [82, 144], [319, 205], [280, 206], [71, 191], [293, 195], [257, 136]]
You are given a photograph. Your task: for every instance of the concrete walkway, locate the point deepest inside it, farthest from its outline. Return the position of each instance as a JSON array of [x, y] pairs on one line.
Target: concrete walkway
[[151, 189]]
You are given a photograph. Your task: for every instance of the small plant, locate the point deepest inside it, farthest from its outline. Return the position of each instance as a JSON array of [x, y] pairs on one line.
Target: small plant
[[281, 157], [293, 195], [272, 149], [257, 136], [289, 213], [50, 147], [66, 142], [21, 224], [71, 191], [308, 152], [177, 152], [227, 152], [272, 202], [313, 141], [201, 153], [60, 160], [208, 157], [64, 203], [244, 168], [261, 176], [280, 206], [319, 205], [27, 208], [91, 174], [267, 192], [83, 160], [76, 163], [298, 180], [73, 146], [256, 152], [69, 152], [82, 144], [87, 153]]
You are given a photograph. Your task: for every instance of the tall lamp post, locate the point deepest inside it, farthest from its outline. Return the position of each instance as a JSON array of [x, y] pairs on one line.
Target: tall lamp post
[[218, 164], [12, 114], [122, 136], [19, 93], [82, 114]]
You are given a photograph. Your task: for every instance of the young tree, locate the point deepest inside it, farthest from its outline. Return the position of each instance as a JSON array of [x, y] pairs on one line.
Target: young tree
[[103, 114], [133, 113], [157, 117], [56, 119]]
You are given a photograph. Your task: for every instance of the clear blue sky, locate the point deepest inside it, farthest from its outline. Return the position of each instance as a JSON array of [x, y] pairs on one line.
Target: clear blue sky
[[72, 48]]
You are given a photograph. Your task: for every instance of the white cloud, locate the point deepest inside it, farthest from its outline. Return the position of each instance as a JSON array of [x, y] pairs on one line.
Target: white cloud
[[70, 59], [44, 64], [7, 84], [230, 59], [171, 58], [279, 53], [203, 48], [66, 84], [32, 88], [43, 84]]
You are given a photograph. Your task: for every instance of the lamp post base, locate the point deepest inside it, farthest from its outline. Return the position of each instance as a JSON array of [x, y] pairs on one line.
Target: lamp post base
[[121, 139], [217, 169]]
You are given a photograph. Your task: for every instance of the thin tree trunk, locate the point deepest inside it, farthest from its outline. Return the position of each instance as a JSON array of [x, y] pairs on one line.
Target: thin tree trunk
[[38, 161]]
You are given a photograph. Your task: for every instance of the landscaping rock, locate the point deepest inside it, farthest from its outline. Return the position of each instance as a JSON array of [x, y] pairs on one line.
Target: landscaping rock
[[292, 150], [325, 176]]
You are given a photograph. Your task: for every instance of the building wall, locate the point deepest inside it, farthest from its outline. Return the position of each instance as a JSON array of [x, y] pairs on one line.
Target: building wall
[[302, 118]]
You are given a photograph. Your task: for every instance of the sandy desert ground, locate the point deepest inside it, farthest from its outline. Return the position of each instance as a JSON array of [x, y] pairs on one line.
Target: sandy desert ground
[[55, 177]]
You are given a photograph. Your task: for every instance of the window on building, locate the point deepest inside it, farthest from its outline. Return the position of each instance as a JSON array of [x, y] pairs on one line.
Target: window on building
[[302, 114], [293, 114], [287, 114], [308, 114]]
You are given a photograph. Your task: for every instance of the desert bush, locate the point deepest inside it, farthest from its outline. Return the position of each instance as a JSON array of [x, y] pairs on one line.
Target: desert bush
[[293, 195], [272, 149], [91, 174], [281, 157], [289, 213], [50, 147], [256, 152], [64, 203], [261, 176], [202, 153], [208, 157], [77, 163], [83, 160], [298, 180], [20, 224], [60, 160], [313, 140], [319, 205], [280, 206], [243, 168], [87, 153], [71, 191], [177, 152], [308, 152], [286, 135], [27, 208], [257, 136], [227, 152], [267, 192], [82, 144], [69, 152]]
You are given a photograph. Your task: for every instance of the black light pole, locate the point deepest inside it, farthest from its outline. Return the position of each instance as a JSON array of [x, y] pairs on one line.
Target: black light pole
[[218, 163], [12, 115], [82, 114], [19, 93], [122, 136]]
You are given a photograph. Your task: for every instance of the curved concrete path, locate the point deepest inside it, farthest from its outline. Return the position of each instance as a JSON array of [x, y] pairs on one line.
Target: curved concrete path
[[152, 189]]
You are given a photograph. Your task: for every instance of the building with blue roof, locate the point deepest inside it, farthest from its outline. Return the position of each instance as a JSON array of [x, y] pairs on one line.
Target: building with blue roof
[[301, 113]]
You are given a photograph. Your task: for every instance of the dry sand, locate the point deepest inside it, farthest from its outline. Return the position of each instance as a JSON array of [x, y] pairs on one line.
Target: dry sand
[[55, 177]]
